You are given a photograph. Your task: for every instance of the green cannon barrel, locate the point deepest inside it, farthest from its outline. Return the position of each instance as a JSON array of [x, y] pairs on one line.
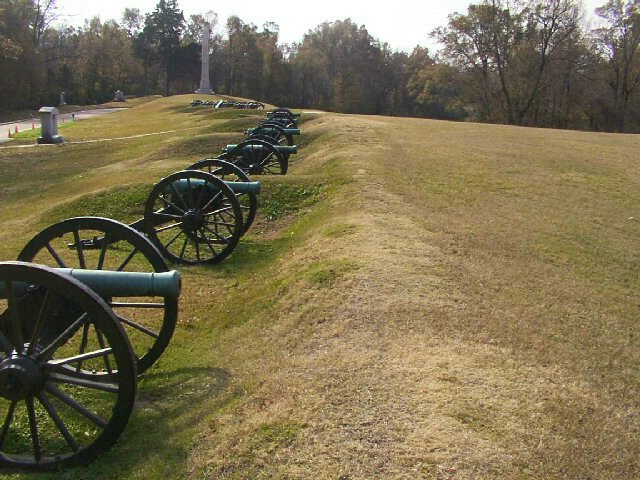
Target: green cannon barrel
[[183, 185], [280, 148], [109, 284], [289, 131]]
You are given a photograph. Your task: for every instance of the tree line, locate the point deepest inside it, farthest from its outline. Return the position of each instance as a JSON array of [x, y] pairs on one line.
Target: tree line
[[522, 62]]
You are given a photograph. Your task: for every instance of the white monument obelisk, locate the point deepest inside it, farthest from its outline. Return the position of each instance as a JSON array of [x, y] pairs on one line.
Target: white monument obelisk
[[204, 78]]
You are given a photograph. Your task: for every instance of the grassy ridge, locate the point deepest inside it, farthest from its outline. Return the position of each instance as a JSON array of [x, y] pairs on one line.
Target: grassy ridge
[[417, 299]]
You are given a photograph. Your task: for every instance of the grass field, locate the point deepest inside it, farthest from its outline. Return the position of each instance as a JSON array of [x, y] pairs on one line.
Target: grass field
[[417, 299]]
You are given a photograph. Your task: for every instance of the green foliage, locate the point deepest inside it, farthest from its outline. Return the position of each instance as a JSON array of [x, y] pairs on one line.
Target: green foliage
[[436, 89], [125, 204], [280, 199]]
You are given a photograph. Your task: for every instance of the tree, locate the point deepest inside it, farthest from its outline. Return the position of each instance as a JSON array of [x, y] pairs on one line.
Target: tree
[[434, 87], [619, 42], [344, 66], [133, 21], [21, 63], [507, 51], [9, 49], [163, 30]]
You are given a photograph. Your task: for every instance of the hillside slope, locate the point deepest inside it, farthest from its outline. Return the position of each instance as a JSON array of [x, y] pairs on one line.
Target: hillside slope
[[438, 301]]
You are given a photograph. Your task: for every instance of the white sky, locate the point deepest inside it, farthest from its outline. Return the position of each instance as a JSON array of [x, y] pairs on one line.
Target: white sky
[[403, 24]]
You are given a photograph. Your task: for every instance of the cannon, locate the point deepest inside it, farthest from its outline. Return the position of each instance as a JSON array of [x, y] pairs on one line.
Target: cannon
[[190, 216], [239, 105], [68, 374], [103, 244], [194, 217], [284, 150], [256, 156], [226, 171], [283, 117], [273, 133]]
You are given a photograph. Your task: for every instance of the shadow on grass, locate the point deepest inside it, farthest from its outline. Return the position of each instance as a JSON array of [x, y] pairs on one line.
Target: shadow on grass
[[156, 442]]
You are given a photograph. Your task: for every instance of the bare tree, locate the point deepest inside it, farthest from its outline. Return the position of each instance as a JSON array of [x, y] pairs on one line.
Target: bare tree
[[619, 41]]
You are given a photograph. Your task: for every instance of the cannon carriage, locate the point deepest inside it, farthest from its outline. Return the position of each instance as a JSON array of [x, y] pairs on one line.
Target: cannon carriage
[[283, 117], [257, 156], [68, 371], [273, 133]]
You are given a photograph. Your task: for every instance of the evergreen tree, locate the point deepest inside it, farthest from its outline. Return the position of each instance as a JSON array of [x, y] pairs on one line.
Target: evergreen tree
[[163, 28]]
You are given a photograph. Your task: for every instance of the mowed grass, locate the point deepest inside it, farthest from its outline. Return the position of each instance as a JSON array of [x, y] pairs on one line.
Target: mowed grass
[[417, 299]]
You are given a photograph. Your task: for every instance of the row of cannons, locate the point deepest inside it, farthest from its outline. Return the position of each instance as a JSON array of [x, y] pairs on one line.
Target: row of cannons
[[91, 303], [226, 104]]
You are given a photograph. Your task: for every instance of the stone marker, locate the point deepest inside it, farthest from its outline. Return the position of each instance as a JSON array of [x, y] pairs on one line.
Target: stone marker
[[62, 99], [119, 96], [49, 123], [205, 89]]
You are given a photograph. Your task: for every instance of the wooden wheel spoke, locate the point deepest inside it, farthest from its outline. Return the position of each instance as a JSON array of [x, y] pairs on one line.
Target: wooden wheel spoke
[[102, 343], [63, 337], [184, 246], [211, 200], [81, 357], [103, 251], [137, 326], [69, 379], [190, 190], [226, 208], [207, 241], [169, 204], [230, 226], [33, 429], [43, 315], [69, 401], [173, 187], [79, 250], [217, 235], [16, 328], [7, 422], [197, 245], [55, 255], [167, 216], [168, 227], [5, 344], [127, 260], [83, 346], [167, 245], [62, 428]]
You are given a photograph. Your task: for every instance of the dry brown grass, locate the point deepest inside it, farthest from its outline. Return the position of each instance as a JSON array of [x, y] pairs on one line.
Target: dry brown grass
[[464, 339], [459, 303]]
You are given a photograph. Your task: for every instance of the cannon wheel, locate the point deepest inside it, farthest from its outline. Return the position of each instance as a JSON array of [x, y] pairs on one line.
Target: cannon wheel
[[230, 172], [272, 133], [263, 159], [200, 225], [106, 244], [53, 414]]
